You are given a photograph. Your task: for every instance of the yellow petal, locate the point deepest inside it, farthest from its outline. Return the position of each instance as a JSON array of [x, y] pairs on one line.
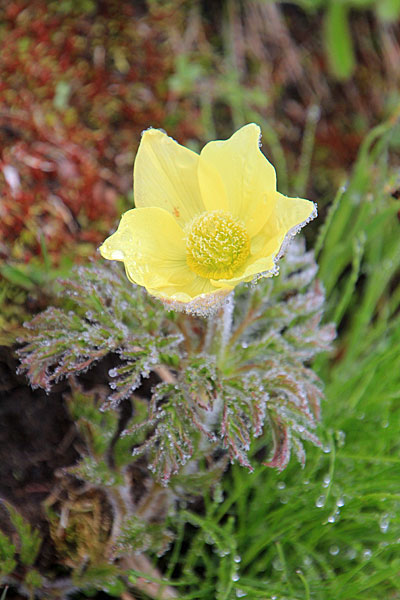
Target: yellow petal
[[292, 213], [150, 244], [288, 217], [165, 175], [193, 287], [247, 178], [213, 190]]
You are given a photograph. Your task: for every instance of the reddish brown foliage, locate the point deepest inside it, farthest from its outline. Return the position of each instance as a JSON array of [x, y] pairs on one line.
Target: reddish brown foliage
[[76, 90]]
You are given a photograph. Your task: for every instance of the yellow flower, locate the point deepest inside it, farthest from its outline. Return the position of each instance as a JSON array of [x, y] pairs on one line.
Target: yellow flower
[[203, 223]]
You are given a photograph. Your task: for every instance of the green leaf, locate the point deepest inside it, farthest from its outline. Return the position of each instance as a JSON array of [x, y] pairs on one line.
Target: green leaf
[[33, 579], [7, 553], [30, 539], [17, 277], [338, 42]]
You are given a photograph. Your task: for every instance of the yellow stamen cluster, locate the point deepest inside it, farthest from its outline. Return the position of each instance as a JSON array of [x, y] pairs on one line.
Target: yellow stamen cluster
[[216, 245]]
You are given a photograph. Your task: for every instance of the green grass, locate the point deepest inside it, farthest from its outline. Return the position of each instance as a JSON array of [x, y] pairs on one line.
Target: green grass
[[332, 530]]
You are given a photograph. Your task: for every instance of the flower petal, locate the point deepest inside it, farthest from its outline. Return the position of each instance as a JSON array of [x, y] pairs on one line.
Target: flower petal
[[193, 287], [150, 243], [289, 216], [213, 190], [292, 213], [165, 175], [248, 179]]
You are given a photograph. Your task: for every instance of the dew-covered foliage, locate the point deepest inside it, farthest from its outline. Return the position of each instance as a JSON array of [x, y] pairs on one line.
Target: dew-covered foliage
[[185, 396], [105, 315], [218, 382]]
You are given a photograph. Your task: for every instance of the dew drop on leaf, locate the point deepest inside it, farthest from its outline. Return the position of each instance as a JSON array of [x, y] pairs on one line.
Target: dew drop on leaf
[[341, 438], [332, 518], [351, 553], [384, 523], [327, 481]]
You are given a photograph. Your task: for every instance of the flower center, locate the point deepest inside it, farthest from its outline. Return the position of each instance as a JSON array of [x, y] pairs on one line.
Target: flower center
[[217, 244]]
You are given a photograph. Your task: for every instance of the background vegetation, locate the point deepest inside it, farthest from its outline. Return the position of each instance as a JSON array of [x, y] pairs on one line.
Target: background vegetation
[[79, 81]]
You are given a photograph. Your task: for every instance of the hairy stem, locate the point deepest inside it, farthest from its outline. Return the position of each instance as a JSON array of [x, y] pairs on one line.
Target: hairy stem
[[225, 325]]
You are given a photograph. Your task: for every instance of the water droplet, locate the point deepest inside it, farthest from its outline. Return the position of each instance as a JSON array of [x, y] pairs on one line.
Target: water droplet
[[113, 372], [367, 553], [385, 424], [320, 501], [351, 553], [240, 594], [277, 564], [326, 448], [331, 518], [281, 485], [340, 501], [334, 550], [341, 438], [235, 577], [384, 523], [237, 559], [327, 481], [306, 482]]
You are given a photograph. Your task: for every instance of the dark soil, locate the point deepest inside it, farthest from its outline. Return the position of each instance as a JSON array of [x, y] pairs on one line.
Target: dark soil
[[37, 438]]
